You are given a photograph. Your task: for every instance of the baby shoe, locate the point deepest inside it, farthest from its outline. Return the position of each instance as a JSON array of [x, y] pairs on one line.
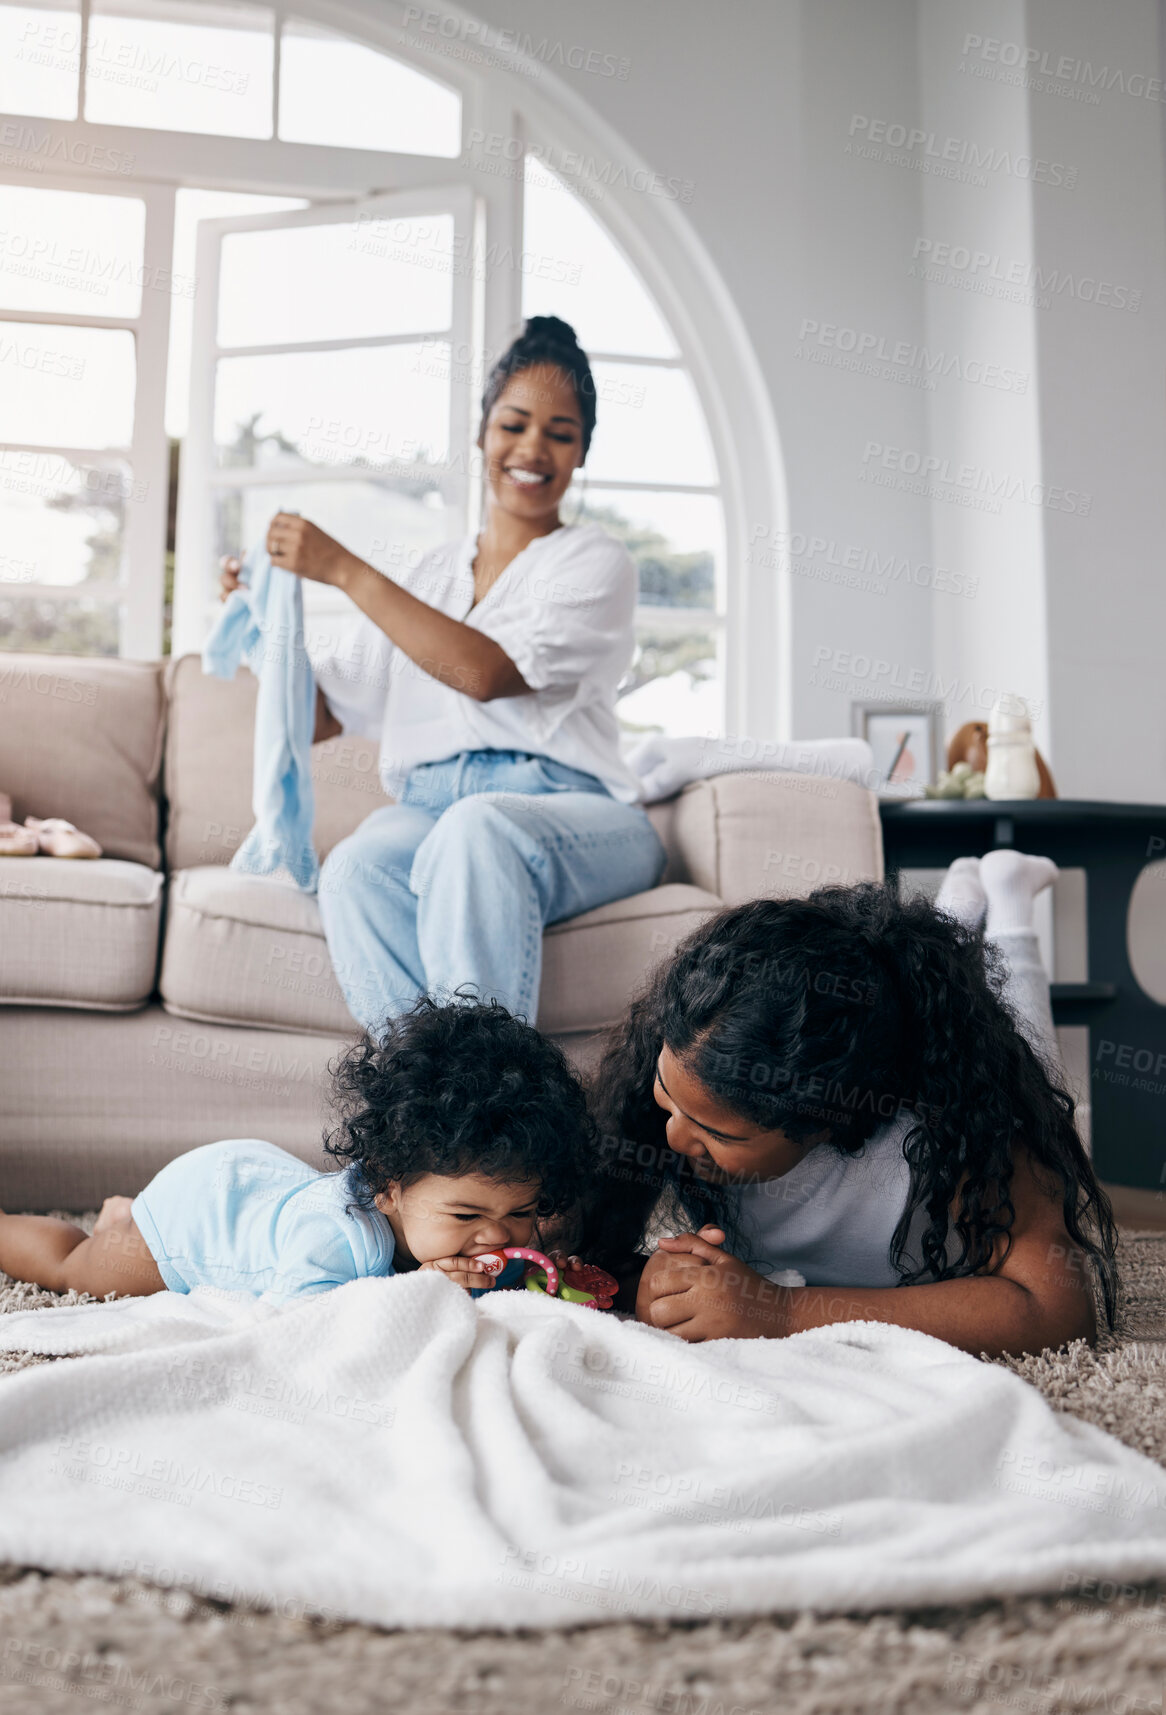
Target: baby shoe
[[57, 838], [15, 841]]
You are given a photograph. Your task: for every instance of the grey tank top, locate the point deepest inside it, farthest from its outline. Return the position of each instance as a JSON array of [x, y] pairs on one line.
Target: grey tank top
[[832, 1216]]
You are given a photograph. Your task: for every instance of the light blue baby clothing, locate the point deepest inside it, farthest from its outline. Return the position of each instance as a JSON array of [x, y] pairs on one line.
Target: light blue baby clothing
[[246, 1216], [262, 623]]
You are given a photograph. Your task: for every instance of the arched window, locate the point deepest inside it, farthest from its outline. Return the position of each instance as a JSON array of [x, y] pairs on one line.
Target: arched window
[[651, 476], [289, 312]]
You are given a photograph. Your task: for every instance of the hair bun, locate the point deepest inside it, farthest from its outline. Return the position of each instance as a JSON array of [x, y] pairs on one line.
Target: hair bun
[[545, 340], [549, 328]]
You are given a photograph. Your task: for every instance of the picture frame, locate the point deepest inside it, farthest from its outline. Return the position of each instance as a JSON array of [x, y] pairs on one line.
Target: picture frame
[[906, 740]]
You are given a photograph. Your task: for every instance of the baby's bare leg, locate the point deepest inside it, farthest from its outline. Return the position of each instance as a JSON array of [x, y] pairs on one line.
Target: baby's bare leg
[[115, 1259], [57, 1255], [36, 1247]]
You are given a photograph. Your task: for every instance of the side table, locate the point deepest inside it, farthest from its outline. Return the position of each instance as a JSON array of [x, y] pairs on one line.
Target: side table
[[1112, 843]]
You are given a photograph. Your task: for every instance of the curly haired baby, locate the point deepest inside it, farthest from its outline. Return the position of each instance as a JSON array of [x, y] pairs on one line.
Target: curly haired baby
[[457, 1132]]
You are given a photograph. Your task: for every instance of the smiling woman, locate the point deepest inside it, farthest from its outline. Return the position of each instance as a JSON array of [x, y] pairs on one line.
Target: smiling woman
[[489, 671]]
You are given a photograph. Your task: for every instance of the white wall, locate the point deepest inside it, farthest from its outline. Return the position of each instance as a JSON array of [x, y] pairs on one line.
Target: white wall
[[1072, 605], [1103, 406], [856, 634], [975, 242], [763, 104]]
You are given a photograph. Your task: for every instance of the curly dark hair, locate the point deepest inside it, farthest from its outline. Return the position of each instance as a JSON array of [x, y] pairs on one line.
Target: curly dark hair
[[463, 1087], [838, 1013], [545, 339]]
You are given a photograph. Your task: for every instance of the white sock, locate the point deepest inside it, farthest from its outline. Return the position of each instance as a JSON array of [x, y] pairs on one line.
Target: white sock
[[962, 895], [1012, 881]]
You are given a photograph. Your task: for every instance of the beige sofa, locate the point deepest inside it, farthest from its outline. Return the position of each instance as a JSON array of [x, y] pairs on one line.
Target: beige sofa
[[155, 999]]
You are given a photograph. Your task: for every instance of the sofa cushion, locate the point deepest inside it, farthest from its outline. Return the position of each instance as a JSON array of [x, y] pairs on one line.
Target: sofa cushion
[[763, 835], [663, 818], [594, 964], [240, 950], [80, 933], [81, 738], [209, 746]]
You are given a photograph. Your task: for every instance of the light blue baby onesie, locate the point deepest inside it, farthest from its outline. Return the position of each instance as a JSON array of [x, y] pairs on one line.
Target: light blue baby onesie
[[248, 1217], [262, 623]]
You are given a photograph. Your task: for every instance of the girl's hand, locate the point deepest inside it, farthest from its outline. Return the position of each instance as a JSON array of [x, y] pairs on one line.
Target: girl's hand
[[680, 1241], [302, 547], [561, 1260], [464, 1271], [695, 1289], [229, 577]]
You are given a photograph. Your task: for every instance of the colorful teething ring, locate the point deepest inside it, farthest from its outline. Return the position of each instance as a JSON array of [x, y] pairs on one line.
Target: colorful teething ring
[[493, 1264], [590, 1283]]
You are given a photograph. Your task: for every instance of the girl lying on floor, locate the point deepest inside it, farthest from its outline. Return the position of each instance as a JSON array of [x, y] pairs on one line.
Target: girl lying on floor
[[867, 1091], [457, 1131]]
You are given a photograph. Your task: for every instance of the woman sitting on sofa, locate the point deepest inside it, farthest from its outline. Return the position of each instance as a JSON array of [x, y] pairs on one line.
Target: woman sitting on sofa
[[490, 673], [865, 1091]]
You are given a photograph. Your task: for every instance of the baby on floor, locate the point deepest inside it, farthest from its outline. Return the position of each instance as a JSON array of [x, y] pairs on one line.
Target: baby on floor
[[456, 1132]]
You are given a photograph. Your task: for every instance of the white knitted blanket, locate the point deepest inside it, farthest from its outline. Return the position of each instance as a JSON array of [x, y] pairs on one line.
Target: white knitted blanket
[[394, 1452]]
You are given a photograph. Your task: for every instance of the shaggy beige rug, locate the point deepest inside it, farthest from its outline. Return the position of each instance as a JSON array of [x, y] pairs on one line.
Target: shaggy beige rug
[[67, 1643]]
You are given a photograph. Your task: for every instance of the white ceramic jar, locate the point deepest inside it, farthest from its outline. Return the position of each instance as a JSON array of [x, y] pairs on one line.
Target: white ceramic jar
[[1011, 770]]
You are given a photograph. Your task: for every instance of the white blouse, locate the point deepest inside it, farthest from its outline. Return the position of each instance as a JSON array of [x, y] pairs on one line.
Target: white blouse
[[562, 610]]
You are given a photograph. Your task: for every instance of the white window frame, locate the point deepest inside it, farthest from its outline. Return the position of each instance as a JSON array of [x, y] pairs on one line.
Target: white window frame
[[665, 620], [661, 619], [139, 595], [203, 480]]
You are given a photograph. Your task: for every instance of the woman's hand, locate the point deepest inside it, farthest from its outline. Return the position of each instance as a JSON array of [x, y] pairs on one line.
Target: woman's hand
[[695, 1289], [464, 1271], [303, 548], [455, 654], [229, 577], [298, 546]]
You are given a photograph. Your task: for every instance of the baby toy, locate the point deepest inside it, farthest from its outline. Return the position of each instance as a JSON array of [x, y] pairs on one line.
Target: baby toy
[[959, 781], [581, 1283], [970, 745]]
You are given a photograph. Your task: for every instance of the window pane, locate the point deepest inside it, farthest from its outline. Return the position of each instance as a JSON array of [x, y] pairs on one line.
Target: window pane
[[676, 540], [363, 407], [572, 268], [82, 627], [336, 91], [180, 65], [40, 53], [63, 251], [346, 280], [62, 386], [61, 522], [675, 684], [649, 427], [388, 523], [191, 206]]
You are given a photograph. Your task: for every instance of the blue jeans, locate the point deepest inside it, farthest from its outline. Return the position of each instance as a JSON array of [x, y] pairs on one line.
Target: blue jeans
[[453, 885]]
